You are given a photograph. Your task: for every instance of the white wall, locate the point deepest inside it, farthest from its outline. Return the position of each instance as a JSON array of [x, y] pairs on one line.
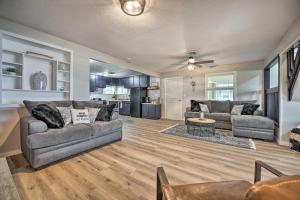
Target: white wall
[[9, 120], [289, 110]]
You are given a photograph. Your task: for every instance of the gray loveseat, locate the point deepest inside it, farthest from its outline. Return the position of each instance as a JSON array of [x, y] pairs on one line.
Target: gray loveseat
[[42, 146], [251, 126]]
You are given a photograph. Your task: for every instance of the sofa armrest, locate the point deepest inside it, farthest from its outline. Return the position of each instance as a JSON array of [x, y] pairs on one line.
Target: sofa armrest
[[31, 125], [115, 115]]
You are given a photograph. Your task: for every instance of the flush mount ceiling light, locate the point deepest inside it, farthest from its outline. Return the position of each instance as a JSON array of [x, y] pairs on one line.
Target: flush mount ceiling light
[[133, 7]]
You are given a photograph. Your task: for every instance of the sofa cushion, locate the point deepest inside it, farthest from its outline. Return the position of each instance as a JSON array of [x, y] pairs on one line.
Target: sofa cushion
[[232, 103], [84, 104], [220, 107], [59, 136], [50, 116], [225, 117], [191, 114], [195, 106], [101, 128], [252, 121], [249, 108], [32, 104]]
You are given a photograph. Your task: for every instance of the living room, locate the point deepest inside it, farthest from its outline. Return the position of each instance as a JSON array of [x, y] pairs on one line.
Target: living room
[[145, 99]]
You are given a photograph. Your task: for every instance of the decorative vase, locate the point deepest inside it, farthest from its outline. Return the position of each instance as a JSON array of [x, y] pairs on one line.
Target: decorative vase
[[39, 81]]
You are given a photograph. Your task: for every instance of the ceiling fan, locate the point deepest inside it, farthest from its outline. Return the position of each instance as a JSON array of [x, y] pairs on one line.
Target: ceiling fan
[[192, 64]]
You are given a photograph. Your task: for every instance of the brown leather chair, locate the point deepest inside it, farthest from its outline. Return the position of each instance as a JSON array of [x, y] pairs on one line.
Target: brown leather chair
[[282, 188]]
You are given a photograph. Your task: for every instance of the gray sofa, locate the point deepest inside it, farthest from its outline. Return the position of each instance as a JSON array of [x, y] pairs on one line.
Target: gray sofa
[[251, 126], [42, 146]]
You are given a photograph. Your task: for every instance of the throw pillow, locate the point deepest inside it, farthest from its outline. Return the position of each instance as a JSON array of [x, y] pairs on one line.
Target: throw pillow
[[66, 114], [237, 109], [249, 108], [49, 115], [195, 106], [105, 113], [93, 113], [204, 108], [80, 116]]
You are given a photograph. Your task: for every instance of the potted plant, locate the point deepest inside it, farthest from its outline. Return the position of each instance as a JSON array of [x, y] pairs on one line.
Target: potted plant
[[11, 71]]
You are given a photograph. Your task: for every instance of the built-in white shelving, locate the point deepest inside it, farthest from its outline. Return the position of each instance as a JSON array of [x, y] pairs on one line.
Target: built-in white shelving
[[21, 57]]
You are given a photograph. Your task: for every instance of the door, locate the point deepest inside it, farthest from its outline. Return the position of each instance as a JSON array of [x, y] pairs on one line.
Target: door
[[271, 85], [173, 98]]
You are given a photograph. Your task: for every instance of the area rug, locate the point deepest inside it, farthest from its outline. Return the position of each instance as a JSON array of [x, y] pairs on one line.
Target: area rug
[[221, 137]]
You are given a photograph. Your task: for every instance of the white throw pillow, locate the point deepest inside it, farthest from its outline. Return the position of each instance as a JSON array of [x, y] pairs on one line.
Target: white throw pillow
[[93, 112], [80, 116], [237, 109], [66, 114], [204, 108]]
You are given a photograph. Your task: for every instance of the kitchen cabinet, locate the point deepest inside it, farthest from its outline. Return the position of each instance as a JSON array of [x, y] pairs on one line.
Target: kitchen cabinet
[[151, 111], [129, 82], [92, 82], [144, 81], [124, 108], [136, 81], [100, 82]]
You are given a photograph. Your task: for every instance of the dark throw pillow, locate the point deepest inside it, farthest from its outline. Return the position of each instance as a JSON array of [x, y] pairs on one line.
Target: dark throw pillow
[[105, 113], [49, 115], [296, 130], [195, 106], [249, 108]]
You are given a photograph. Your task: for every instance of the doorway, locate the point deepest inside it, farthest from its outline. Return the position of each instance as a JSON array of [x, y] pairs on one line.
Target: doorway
[[173, 98]]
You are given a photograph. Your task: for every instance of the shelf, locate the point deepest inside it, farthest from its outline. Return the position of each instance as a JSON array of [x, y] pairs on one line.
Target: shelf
[[46, 91], [11, 51], [40, 57], [63, 71], [12, 63], [64, 62], [63, 81], [12, 76]]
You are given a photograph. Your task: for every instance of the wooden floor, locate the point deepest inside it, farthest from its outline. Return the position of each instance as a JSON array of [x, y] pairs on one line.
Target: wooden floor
[[127, 169]]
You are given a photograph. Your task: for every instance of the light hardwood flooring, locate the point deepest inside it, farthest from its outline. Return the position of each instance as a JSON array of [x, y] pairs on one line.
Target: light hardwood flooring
[[126, 170]]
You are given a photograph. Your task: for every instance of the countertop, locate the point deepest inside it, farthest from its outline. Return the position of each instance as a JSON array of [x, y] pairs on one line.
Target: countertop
[[152, 103]]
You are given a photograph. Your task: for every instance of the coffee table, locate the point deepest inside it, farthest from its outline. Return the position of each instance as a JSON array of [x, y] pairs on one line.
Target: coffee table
[[201, 127]]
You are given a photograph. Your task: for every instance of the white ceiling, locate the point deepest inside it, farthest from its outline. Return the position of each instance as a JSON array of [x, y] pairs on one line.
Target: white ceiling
[[110, 70], [228, 31]]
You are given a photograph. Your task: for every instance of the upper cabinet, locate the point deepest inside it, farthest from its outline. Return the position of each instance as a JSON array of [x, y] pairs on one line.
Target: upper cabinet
[[144, 81], [100, 81], [137, 81]]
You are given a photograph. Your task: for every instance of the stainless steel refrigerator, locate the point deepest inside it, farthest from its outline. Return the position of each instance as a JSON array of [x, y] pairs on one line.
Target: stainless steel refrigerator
[[137, 97]]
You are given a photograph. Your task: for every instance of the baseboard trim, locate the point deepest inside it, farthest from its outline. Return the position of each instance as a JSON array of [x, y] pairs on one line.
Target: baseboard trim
[[10, 153]]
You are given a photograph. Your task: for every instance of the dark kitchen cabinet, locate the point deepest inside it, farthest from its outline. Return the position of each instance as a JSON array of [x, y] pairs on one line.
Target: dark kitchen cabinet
[[92, 82], [124, 108], [151, 111], [136, 81], [100, 82], [130, 82], [144, 81]]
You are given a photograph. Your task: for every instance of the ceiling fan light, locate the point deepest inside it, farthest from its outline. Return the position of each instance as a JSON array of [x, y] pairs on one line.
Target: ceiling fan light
[[191, 60], [133, 7], [191, 67]]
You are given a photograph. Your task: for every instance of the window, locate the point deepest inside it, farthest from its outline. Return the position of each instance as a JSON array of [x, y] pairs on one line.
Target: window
[[220, 86], [274, 74]]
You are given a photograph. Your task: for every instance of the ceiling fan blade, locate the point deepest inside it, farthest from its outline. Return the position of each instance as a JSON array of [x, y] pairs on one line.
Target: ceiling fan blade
[[183, 67], [204, 62], [199, 66]]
